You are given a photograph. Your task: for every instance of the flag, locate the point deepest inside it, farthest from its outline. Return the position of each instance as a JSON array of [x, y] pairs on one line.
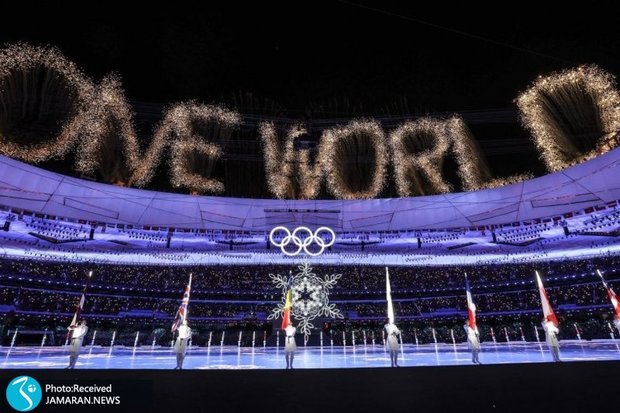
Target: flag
[[546, 305], [182, 311], [612, 295], [471, 307], [78, 309], [80, 304], [286, 314], [388, 297]]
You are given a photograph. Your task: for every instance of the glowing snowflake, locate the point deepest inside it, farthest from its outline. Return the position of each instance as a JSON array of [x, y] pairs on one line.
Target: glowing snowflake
[[309, 297]]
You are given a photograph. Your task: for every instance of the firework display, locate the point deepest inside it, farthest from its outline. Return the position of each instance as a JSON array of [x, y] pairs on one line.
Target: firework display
[[473, 168], [200, 132], [35, 81], [109, 145], [335, 207], [573, 116], [419, 150], [340, 153], [144, 170], [570, 114], [283, 178]]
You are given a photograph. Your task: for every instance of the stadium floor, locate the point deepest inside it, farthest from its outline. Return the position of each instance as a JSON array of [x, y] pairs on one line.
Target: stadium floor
[[234, 358]]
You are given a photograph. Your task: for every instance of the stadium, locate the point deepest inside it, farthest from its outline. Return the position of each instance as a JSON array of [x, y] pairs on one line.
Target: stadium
[[234, 242], [564, 225]]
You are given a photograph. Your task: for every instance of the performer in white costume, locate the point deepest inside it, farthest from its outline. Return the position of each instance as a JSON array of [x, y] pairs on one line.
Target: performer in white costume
[[289, 345], [473, 341], [551, 332], [77, 336], [617, 324], [184, 333], [392, 344]]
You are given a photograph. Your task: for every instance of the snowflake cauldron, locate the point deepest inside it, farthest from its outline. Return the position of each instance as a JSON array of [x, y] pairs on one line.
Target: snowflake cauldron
[[309, 297]]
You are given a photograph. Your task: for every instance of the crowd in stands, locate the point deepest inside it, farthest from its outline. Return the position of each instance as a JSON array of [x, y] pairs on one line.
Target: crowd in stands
[[42, 293], [256, 277]]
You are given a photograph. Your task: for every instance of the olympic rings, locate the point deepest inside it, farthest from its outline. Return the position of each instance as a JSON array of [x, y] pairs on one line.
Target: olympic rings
[[302, 243]]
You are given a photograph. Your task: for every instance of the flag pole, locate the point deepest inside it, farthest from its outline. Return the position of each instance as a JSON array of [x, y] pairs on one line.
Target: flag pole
[[189, 287], [388, 297], [181, 314]]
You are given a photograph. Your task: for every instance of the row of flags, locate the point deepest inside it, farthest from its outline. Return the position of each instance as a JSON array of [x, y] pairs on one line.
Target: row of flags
[[548, 312], [180, 317]]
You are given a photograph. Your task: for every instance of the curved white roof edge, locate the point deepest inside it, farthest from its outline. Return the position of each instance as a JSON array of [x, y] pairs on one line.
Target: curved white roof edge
[[589, 184]]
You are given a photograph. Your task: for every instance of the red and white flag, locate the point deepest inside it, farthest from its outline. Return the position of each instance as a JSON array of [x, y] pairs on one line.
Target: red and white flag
[[471, 307], [612, 295], [182, 311], [546, 305]]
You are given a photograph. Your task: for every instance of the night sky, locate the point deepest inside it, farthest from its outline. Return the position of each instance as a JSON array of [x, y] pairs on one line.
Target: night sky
[[317, 51], [351, 59]]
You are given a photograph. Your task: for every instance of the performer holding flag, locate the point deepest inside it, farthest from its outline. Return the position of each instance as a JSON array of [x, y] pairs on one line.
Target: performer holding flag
[[614, 301], [471, 329], [290, 346], [77, 332], [184, 333], [550, 321], [391, 330]]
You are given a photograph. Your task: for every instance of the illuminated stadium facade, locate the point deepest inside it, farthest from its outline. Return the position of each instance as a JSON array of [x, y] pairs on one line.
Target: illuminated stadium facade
[[566, 214]]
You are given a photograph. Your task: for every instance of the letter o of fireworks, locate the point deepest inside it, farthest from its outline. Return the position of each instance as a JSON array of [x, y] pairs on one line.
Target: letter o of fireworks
[[34, 82], [342, 153], [570, 114]]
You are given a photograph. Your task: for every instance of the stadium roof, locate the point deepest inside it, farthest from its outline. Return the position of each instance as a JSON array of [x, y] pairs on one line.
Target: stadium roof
[[592, 183]]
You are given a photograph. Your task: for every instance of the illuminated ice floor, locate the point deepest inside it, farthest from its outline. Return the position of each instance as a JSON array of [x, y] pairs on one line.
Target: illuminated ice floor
[[229, 357]]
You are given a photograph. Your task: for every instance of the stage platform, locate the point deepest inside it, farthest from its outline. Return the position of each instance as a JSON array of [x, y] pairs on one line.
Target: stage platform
[[244, 358], [582, 384]]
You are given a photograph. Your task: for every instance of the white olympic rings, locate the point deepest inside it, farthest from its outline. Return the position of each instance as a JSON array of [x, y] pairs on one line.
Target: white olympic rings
[[302, 244]]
